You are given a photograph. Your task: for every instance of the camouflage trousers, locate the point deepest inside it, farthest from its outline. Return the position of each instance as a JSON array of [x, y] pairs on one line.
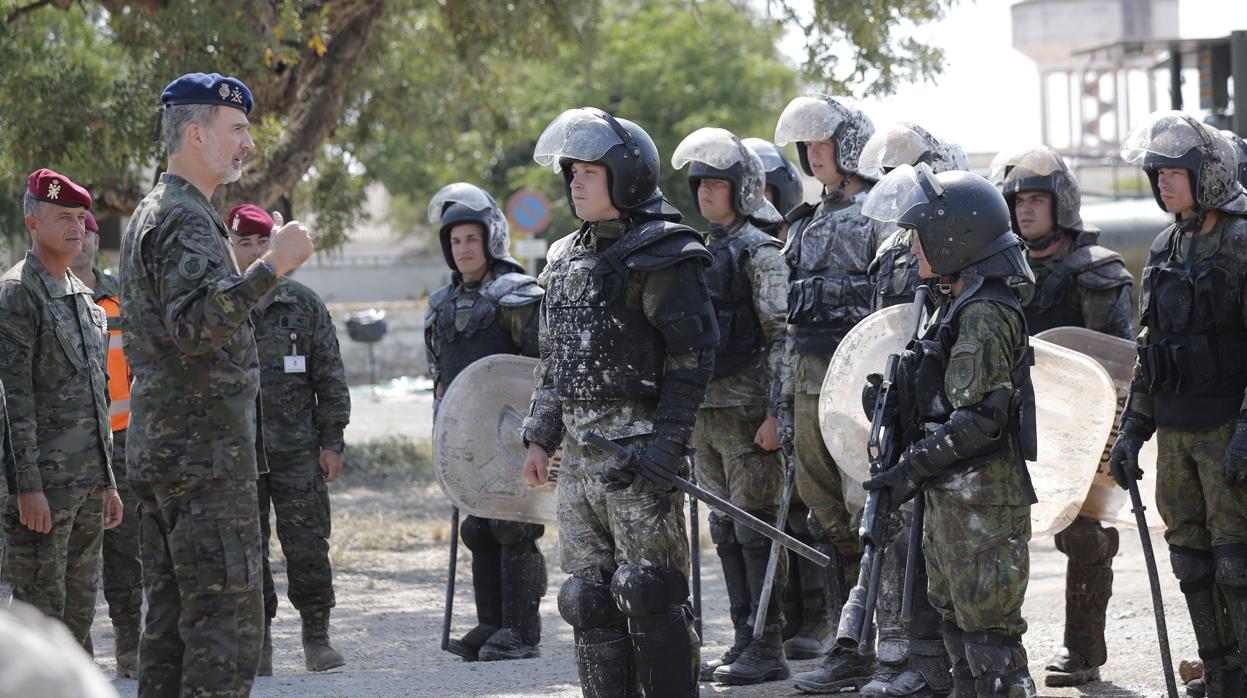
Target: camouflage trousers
[[1199, 510], [56, 572], [602, 530], [820, 482], [978, 562], [201, 572], [295, 488], [123, 564]]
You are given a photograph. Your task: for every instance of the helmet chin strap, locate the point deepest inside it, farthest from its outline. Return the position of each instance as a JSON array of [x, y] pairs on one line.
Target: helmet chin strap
[[1043, 242]]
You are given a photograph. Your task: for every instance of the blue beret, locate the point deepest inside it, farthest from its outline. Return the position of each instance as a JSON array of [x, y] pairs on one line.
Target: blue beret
[[207, 88]]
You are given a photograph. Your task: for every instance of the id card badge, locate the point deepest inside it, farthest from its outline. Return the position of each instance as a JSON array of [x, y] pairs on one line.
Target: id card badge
[[295, 363]]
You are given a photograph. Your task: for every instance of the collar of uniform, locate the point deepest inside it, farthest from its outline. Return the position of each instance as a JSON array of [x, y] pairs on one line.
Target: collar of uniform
[[56, 288], [172, 180]]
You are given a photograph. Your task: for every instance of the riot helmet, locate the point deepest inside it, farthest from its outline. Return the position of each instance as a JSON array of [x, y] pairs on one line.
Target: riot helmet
[[961, 220], [1039, 168], [467, 203], [781, 174], [593, 136], [1175, 139], [1241, 146], [715, 153], [818, 117], [906, 143]]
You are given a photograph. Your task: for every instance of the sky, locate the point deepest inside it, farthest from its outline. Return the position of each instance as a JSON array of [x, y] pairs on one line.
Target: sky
[[987, 97]]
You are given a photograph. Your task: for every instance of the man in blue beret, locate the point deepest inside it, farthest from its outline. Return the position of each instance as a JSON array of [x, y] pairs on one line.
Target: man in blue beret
[[191, 448]]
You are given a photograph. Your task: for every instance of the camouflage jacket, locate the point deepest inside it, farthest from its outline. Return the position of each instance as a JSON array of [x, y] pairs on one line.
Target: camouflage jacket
[[53, 358], [307, 408], [188, 340], [105, 285]]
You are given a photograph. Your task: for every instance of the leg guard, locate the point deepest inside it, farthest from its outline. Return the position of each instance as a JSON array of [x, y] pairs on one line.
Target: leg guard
[[793, 605], [1196, 573], [723, 533], [604, 657], [756, 552], [523, 585], [762, 659], [1231, 576], [486, 586], [998, 663], [929, 661], [1088, 586], [955, 646], [655, 601], [822, 592]]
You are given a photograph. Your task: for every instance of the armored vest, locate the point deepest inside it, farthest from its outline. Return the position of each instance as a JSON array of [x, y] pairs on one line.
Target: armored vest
[[924, 376], [1090, 266], [1195, 360], [466, 320], [895, 271], [602, 347], [731, 293]]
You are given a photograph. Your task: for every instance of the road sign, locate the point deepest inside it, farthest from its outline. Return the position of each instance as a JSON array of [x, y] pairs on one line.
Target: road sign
[[531, 248], [528, 211]]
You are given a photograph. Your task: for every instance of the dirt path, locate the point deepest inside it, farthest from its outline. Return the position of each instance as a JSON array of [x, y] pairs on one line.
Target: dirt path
[[389, 551]]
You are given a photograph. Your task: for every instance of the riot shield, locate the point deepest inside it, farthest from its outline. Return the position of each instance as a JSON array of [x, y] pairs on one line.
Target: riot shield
[[477, 450], [1076, 408], [1106, 501]]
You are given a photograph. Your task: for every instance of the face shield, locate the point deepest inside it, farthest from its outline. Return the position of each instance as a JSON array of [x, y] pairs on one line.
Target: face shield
[[807, 119], [902, 144], [468, 195], [576, 134], [1023, 163], [1168, 134], [899, 192]]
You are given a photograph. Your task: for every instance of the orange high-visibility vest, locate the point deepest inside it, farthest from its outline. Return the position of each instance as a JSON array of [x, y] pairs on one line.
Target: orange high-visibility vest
[[118, 369]]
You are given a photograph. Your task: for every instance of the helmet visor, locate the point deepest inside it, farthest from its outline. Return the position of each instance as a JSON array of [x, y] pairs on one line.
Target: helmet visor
[[715, 147], [886, 150], [1034, 161], [1169, 134], [463, 193], [576, 134], [895, 194], [807, 119]]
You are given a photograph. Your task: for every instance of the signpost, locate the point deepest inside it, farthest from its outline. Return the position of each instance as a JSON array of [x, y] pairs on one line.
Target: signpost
[[529, 212]]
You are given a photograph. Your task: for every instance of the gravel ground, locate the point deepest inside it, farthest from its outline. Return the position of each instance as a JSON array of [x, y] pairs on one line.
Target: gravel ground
[[389, 551]]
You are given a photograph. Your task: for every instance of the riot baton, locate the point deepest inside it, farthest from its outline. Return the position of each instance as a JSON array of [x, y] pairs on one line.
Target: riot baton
[[1153, 578], [695, 555], [737, 514], [450, 577], [772, 562]]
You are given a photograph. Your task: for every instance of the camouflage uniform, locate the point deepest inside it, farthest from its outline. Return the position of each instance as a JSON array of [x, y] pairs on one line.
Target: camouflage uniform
[[627, 550], [53, 344], [191, 453], [123, 566], [305, 412]]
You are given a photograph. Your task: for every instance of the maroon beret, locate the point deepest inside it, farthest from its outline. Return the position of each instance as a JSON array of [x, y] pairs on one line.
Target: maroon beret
[[91, 224], [249, 219], [55, 188]]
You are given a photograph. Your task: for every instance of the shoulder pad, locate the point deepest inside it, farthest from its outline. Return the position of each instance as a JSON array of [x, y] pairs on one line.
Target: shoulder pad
[[1098, 267], [559, 248], [661, 244], [801, 210], [438, 297], [750, 239], [514, 290]]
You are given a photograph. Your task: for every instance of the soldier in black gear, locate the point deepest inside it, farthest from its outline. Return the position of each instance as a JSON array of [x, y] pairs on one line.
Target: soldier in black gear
[[1077, 284], [489, 307], [735, 436], [784, 188], [968, 420], [628, 337], [1189, 381]]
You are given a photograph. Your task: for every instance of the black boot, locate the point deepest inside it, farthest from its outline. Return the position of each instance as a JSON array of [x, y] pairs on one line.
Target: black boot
[[734, 578], [1231, 575], [998, 663], [892, 646], [1088, 586], [796, 528], [763, 659], [955, 647], [486, 587], [843, 669], [664, 646], [605, 663], [523, 585], [1215, 640]]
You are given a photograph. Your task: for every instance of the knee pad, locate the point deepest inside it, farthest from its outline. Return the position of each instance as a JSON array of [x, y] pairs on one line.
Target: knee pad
[[1193, 568], [647, 591], [1231, 565], [515, 532], [1087, 542], [722, 530], [586, 604], [798, 521], [750, 538], [475, 533]]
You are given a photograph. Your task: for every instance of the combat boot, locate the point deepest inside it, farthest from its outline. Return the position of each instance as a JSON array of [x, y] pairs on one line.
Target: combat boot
[[1088, 586], [815, 628], [523, 585], [486, 591], [266, 651], [735, 579], [318, 654], [843, 669], [762, 660], [127, 634], [1195, 571]]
